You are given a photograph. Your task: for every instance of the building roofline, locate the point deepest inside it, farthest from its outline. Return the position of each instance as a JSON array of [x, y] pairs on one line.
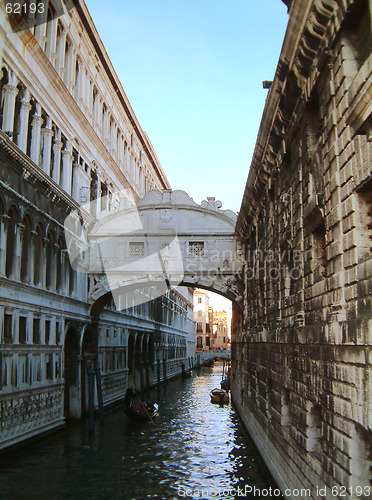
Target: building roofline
[[92, 32]]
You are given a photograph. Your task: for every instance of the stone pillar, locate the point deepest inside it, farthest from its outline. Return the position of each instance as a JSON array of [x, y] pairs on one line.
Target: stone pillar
[[46, 138], [67, 168], [51, 40], [60, 63], [75, 182], [3, 237], [113, 141], [23, 118], [16, 272], [37, 121], [57, 146], [40, 28], [9, 97], [33, 235], [65, 272]]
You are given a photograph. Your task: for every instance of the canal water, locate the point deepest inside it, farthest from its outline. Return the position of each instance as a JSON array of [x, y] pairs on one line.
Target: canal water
[[195, 449]]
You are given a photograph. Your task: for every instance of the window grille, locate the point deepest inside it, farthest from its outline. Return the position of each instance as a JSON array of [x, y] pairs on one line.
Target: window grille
[[137, 249], [196, 248]]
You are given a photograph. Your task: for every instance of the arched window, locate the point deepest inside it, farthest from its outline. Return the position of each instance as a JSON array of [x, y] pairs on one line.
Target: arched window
[[29, 126], [17, 114], [50, 33], [26, 250], [38, 254], [95, 101], [11, 243], [77, 80], [68, 52]]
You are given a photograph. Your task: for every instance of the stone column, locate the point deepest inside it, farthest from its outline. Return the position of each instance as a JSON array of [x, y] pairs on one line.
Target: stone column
[[51, 40], [75, 182], [40, 28], [57, 146], [46, 138], [66, 181], [113, 141], [60, 63], [65, 272], [37, 121], [3, 237], [16, 271], [43, 260], [33, 235], [9, 97], [23, 118]]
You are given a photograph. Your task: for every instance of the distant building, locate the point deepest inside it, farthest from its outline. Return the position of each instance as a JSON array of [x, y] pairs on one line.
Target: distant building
[[221, 330], [203, 317]]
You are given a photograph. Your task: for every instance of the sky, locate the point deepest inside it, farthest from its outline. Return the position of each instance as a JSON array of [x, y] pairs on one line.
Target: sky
[[192, 71]]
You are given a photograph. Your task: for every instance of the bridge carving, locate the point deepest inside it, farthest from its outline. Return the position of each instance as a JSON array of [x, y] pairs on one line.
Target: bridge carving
[[164, 240]]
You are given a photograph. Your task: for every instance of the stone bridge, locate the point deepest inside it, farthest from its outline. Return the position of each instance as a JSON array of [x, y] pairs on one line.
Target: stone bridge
[[137, 251]]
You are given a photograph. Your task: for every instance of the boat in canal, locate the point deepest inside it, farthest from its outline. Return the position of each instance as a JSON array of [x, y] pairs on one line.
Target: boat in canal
[[219, 396], [187, 373], [138, 410], [145, 411]]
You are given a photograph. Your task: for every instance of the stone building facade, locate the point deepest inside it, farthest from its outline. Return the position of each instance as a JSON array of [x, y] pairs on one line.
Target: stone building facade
[[203, 318], [302, 340], [69, 136]]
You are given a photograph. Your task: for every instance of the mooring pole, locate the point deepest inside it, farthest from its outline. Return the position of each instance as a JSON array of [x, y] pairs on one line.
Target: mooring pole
[[147, 373], [164, 370], [99, 393], [91, 401], [142, 382], [158, 360]]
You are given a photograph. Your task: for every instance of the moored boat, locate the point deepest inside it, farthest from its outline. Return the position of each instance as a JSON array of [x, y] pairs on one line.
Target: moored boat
[[219, 396]]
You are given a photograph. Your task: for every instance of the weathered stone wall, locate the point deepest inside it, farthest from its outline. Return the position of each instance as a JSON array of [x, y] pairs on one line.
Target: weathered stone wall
[[302, 360]]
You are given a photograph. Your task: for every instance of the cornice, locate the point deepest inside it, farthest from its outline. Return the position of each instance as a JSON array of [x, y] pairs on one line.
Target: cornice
[[311, 29], [31, 170]]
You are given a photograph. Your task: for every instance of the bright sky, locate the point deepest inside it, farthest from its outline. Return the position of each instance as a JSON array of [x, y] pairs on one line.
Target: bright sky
[[193, 71]]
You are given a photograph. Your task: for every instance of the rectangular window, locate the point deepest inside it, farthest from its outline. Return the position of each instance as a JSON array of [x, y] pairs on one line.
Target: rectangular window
[[49, 367], [58, 333], [196, 248], [22, 330], [199, 327], [36, 331], [199, 300], [199, 342], [137, 250], [8, 336], [47, 331]]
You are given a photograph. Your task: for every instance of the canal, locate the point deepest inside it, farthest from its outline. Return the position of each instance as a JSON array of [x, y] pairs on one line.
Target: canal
[[194, 450]]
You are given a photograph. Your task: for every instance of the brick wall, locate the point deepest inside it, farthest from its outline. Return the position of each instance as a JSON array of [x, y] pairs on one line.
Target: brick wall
[[302, 360]]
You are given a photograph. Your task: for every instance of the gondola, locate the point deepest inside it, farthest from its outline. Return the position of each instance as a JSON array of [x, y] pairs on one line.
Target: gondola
[[138, 410], [218, 396], [187, 373], [146, 411]]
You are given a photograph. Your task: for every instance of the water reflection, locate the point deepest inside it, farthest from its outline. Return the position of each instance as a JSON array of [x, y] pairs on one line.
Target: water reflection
[[193, 446]]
